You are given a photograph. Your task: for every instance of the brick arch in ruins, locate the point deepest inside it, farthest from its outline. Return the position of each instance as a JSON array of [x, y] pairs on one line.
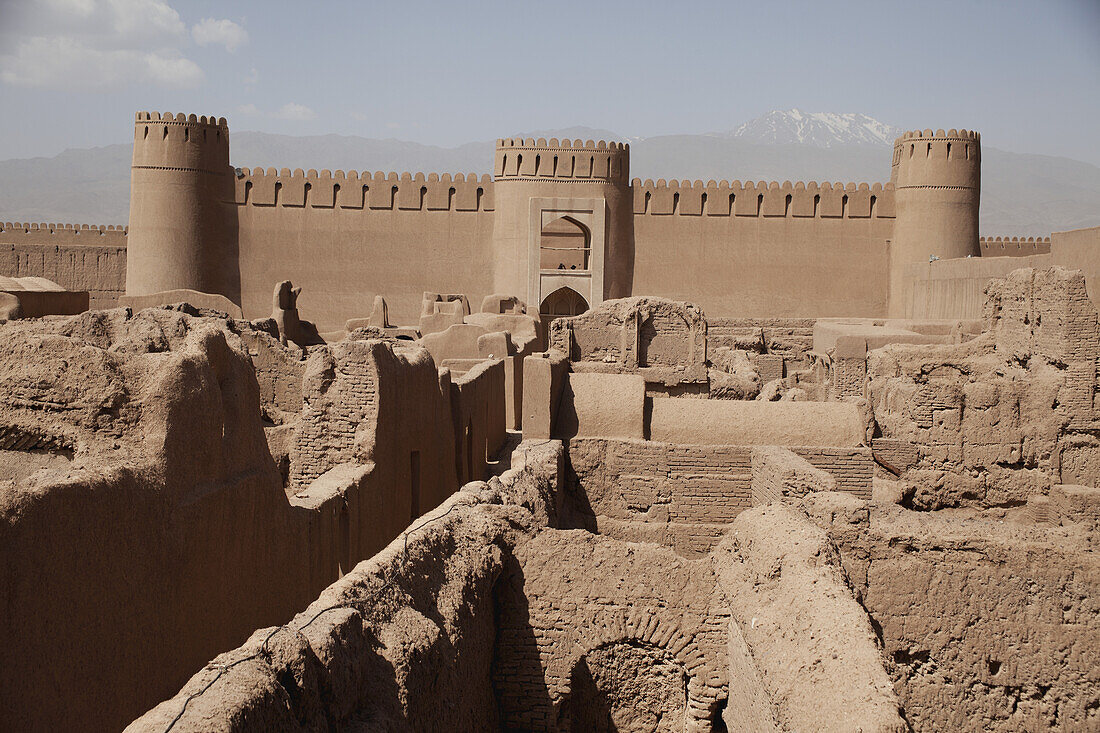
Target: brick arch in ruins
[[704, 666]]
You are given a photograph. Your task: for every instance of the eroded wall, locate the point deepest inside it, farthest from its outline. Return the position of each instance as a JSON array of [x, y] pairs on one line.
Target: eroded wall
[[591, 631], [403, 641], [160, 514], [987, 624], [75, 256], [679, 495], [1000, 406]]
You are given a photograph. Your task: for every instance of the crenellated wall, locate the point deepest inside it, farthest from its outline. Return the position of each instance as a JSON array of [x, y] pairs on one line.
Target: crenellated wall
[[75, 256], [345, 237], [1014, 246], [764, 249], [737, 249]]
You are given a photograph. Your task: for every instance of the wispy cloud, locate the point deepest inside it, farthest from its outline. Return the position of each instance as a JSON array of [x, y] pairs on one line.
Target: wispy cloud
[[295, 111], [94, 44], [224, 32]]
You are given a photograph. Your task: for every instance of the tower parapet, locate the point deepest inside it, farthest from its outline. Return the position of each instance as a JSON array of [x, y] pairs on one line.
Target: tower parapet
[[541, 159], [937, 180], [180, 234]]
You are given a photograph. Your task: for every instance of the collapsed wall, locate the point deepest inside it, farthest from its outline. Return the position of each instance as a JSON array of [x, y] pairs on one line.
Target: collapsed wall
[[988, 623], [987, 422], [131, 555], [403, 641], [484, 615], [160, 447]]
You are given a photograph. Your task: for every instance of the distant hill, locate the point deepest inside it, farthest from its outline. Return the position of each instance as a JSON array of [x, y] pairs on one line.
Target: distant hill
[[1022, 194]]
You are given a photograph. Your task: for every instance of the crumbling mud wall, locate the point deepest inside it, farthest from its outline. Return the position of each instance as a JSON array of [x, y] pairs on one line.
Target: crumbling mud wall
[[813, 647], [760, 634], [137, 480], [484, 615], [779, 473], [679, 495], [593, 630], [984, 423], [402, 642], [478, 413], [663, 340], [160, 532], [988, 622], [776, 347]]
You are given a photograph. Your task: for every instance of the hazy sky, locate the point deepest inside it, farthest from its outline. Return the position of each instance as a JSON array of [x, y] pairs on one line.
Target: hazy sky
[[73, 72]]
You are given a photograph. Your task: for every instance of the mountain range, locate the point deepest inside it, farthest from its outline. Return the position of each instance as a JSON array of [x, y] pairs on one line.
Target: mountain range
[[1022, 194]]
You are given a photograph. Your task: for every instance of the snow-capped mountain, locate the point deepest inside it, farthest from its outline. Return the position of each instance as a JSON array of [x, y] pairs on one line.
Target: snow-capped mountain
[[821, 129]]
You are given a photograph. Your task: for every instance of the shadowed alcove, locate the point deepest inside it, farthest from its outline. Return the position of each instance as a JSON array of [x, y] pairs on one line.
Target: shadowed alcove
[[564, 244]]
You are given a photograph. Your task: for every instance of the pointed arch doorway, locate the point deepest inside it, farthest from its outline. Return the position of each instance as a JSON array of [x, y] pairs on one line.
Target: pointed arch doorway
[[564, 301]]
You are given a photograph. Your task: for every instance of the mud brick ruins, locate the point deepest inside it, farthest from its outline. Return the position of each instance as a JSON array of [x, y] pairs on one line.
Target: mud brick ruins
[[550, 450]]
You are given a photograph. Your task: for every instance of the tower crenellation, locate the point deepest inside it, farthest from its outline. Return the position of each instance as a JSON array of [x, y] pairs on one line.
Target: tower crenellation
[[589, 161], [179, 141], [927, 158]]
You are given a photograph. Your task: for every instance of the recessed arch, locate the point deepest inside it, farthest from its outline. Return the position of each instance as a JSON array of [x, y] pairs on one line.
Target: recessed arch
[[564, 301], [564, 244]]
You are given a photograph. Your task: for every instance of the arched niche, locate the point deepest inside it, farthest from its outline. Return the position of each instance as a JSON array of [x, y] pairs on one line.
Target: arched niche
[[562, 302], [564, 244]]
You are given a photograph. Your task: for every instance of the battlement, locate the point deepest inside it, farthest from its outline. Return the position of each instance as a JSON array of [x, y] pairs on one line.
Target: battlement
[[725, 198], [1013, 246], [180, 118], [526, 159], [366, 190], [58, 234], [937, 160], [178, 142], [951, 134], [563, 144]]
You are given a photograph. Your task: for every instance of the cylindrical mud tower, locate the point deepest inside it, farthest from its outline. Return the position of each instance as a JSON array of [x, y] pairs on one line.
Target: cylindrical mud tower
[[564, 229], [937, 179], [182, 232]]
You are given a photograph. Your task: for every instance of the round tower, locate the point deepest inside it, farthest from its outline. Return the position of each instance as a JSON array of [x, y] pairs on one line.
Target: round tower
[[564, 224], [182, 233], [937, 180]]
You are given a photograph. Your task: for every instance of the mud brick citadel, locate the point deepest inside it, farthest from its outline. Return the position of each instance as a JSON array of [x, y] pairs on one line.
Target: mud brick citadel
[[551, 450]]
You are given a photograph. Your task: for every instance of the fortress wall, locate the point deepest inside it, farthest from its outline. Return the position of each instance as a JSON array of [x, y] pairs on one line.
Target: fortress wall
[[956, 288], [1079, 250], [345, 238], [1013, 246], [75, 256], [764, 250]]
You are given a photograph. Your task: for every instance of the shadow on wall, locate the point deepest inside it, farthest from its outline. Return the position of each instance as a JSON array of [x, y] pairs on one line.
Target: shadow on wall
[[517, 675], [175, 521], [628, 685]]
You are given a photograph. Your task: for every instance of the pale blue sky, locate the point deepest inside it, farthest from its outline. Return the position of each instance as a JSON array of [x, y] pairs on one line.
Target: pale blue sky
[[72, 72]]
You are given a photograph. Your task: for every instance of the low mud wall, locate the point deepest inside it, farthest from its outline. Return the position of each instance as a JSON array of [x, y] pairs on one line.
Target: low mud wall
[[404, 641]]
